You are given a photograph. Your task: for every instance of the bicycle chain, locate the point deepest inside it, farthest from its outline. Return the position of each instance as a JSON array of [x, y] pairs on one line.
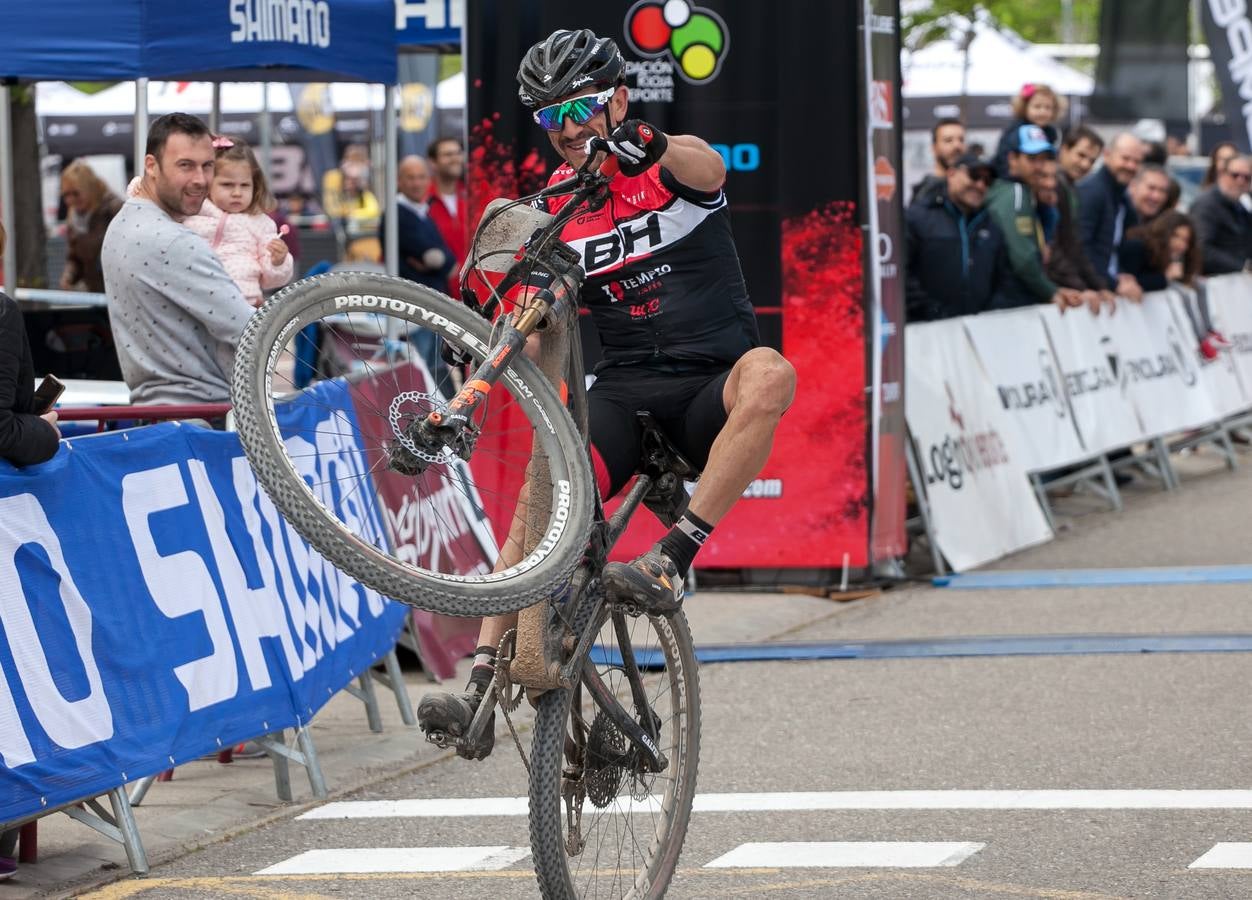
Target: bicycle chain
[[503, 686]]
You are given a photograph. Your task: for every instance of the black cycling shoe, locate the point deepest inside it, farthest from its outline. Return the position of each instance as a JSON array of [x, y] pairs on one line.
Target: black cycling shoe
[[446, 717], [651, 582]]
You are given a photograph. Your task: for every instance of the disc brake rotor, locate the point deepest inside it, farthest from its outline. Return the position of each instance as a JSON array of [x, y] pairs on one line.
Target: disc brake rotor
[[397, 411]]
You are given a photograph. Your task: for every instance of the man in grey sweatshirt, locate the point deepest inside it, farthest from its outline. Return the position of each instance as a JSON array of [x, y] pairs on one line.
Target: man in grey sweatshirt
[[176, 314]]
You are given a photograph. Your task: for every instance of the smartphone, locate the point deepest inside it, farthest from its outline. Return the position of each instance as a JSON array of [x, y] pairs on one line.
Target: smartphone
[[47, 394]]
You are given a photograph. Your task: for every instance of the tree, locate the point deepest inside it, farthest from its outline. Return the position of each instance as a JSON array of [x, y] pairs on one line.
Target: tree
[[27, 237], [1038, 22]]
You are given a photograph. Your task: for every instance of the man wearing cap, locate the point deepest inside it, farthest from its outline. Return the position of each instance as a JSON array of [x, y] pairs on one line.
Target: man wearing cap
[[1105, 213], [1011, 205], [956, 257]]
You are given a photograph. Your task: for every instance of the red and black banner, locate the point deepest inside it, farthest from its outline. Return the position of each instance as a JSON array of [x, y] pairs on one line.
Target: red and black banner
[[779, 93]]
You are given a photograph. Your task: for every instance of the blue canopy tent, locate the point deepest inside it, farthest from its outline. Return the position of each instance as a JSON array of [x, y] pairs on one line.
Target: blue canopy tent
[[242, 40]]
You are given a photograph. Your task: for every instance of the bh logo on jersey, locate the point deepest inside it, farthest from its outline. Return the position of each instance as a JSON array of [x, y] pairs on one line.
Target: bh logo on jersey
[[696, 39]]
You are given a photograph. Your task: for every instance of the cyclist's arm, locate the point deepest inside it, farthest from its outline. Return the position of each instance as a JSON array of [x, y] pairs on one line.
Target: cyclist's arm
[[694, 163]]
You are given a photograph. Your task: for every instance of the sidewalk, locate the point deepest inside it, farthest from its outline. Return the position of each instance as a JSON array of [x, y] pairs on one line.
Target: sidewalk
[[208, 802]]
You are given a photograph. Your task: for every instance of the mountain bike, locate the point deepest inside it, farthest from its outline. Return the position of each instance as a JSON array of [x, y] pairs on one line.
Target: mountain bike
[[616, 739]]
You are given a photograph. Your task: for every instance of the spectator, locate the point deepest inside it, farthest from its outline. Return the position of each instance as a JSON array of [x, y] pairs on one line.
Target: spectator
[[947, 144], [1035, 104], [1223, 224], [956, 257], [1079, 152], [1165, 252], [26, 436], [1154, 154], [424, 257], [1104, 213], [1011, 205], [176, 314], [352, 206], [1162, 251], [1065, 263], [91, 207], [1149, 192], [448, 203], [1223, 153], [234, 223], [1176, 145]]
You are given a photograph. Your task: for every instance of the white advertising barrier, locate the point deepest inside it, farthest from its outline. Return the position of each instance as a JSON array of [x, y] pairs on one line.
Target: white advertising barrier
[[1103, 419], [1221, 378], [1157, 365], [1230, 305], [1015, 350], [970, 451]]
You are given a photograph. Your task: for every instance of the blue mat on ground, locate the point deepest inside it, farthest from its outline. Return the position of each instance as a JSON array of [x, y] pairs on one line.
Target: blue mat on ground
[[1012, 645], [1047, 578]]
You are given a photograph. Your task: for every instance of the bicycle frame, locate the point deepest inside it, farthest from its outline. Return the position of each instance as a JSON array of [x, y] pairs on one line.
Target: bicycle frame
[[573, 622]]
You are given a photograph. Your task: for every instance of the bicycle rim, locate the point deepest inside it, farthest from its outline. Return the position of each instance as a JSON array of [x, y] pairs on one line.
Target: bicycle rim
[[633, 824], [322, 423]]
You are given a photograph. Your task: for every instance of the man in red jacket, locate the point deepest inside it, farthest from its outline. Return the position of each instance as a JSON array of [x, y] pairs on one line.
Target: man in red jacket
[[448, 204]]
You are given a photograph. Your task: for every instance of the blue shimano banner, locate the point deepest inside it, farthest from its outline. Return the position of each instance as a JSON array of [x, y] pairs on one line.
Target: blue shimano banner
[[225, 40], [154, 606]]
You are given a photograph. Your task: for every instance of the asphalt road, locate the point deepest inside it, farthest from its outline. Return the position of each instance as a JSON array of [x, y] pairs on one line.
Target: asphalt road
[[1068, 723]]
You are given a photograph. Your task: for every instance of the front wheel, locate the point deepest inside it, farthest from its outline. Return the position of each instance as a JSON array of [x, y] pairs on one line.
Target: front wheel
[[600, 823], [330, 376]]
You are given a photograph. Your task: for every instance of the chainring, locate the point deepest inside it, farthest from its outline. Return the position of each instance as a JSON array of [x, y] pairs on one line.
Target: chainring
[[603, 771], [509, 694]]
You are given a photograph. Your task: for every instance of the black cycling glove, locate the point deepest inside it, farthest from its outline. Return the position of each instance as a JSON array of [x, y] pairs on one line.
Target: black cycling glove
[[637, 146]]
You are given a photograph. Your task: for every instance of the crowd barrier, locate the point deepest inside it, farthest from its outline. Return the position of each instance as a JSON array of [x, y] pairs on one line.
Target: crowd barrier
[[994, 399], [155, 608]]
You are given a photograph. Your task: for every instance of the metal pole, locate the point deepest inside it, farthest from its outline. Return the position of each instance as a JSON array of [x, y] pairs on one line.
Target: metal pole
[[1067, 21], [267, 138], [141, 123], [215, 111], [874, 313], [6, 189], [391, 237]]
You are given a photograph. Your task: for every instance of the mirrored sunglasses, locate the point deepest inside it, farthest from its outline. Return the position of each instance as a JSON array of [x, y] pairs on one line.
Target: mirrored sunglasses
[[581, 109]]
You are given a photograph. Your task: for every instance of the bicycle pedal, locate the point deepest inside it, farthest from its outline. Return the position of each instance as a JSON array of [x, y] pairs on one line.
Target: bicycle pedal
[[441, 739]]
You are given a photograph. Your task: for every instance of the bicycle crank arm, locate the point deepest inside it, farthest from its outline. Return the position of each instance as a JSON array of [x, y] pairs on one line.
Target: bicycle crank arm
[[655, 760], [482, 716]]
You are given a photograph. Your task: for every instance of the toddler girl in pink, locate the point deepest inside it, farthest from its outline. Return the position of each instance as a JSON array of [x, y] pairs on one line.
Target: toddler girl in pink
[[233, 222]]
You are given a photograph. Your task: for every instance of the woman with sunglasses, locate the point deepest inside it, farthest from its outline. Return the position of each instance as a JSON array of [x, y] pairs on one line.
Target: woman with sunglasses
[[1223, 223], [678, 332]]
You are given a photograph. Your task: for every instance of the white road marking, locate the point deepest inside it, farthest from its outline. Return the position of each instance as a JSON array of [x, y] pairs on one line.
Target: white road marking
[[1225, 855], [846, 854], [818, 800], [399, 859]]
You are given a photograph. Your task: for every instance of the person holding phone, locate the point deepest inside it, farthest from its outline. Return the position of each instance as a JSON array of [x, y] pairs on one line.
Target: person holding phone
[[28, 434]]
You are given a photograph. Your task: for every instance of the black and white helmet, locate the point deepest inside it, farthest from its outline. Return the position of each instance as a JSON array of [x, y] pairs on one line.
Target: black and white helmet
[[566, 61]]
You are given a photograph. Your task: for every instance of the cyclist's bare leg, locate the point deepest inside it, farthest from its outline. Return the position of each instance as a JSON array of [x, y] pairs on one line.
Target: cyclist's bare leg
[[759, 390]]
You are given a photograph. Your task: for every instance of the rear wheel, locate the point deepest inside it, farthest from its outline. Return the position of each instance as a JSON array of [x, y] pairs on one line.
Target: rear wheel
[[329, 377], [600, 825]]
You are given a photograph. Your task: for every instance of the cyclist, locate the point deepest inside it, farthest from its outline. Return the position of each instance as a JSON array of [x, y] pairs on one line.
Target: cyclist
[[678, 333]]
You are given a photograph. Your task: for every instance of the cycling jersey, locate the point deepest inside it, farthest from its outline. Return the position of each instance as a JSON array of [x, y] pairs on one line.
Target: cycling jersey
[[663, 278]]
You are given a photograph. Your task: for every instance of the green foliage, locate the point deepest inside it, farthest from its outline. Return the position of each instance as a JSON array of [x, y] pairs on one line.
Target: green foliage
[[1038, 21]]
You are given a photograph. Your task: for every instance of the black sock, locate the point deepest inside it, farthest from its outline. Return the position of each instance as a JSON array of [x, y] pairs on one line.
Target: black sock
[[684, 540], [484, 669]]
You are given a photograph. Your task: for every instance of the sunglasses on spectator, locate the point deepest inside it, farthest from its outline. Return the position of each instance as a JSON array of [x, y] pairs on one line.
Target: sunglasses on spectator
[[983, 178], [581, 109], [1242, 176]]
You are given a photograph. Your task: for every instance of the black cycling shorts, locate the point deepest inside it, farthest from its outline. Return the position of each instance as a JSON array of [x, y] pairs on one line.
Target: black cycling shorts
[[688, 405]]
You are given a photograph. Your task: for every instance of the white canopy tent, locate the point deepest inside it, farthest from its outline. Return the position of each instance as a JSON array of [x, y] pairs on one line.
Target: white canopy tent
[[1000, 62]]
